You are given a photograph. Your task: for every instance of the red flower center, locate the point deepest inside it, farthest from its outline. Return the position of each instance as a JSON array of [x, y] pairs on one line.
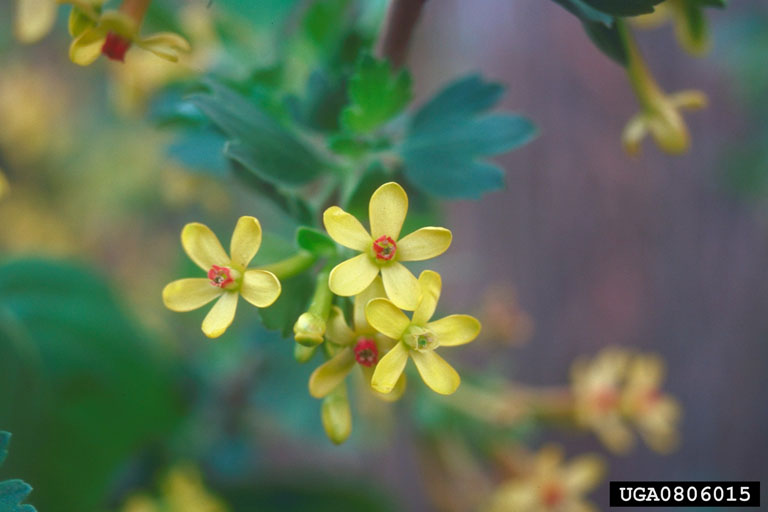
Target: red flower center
[[552, 495], [115, 47], [220, 276], [384, 248], [366, 352]]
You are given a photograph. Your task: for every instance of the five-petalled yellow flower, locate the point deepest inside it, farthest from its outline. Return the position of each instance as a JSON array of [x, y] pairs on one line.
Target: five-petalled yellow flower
[[418, 337], [382, 250], [228, 276], [361, 345]]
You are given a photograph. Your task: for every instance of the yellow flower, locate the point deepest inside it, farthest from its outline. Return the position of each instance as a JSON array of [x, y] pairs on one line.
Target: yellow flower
[[660, 112], [655, 414], [228, 276], [596, 387], [418, 338], [382, 250], [183, 490], [617, 389], [549, 485], [113, 33], [361, 345]]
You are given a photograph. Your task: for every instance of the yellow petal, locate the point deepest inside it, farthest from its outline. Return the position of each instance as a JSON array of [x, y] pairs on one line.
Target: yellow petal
[[188, 294], [389, 369], [202, 246], [689, 100], [221, 315], [387, 210], [392, 396], [34, 19], [634, 133], [337, 330], [336, 415], [374, 291], [455, 330], [386, 318], [401, 286], [119, 23], [430, 284], [583, 474], [260, 288], [346, 230], [423, 244], [331, 373], [245, 243], [166, 45], [86, 48], [351, 277], [436, 372]]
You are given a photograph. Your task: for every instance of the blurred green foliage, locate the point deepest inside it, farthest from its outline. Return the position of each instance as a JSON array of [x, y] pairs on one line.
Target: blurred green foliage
[[81, 384], [12, 492]]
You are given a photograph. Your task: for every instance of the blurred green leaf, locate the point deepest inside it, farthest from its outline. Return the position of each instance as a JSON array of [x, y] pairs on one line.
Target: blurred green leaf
[[81, 385], [624, 7], [258, 142], [608, 40], [200, 150], [449, 134], [583, 11], [292, 302], [315, 241], [376, 95]]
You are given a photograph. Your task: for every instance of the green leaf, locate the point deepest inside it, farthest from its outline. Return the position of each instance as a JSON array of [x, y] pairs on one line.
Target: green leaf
[[5, 439], [624, 7], [448, 138], [315, 241], [258, 142], [608, 40], [82, 382], [376, 95], [292, 302], [584, 12], [12, 493]]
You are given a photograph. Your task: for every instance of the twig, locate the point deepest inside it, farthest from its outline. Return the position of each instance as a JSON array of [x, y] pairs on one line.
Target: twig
[[398, 29]]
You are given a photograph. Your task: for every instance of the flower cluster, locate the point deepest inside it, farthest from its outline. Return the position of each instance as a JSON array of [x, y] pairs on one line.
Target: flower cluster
[[381, 337], [618, 389]]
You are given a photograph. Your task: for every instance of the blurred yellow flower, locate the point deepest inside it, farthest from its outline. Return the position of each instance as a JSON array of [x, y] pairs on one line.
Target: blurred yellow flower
[[596, 387], [418, 338], [690, 24], [618, 389], [182, 491], [382, 250], [654, 413], [34, 19], [114, 32], [228, 276], [549, 485], [361, 344], [660, 114]]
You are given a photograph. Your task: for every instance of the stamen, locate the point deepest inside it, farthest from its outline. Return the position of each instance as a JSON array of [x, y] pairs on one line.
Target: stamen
[[115, 47], [220, 277], [366, 352], [384, 248]]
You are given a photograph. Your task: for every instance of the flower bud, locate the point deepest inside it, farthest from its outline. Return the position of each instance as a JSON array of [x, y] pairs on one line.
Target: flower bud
[[309, 329], [337, 417], [302, 353]]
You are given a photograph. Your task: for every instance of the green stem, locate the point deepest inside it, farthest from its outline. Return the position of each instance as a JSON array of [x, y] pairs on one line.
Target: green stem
[[292, 266], [321, 300], [645, 87]]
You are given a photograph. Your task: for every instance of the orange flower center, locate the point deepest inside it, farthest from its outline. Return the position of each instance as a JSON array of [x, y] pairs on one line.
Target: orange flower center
[[115, 47], [384, 248], [606, 399], [220, 277], [366, 352]]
